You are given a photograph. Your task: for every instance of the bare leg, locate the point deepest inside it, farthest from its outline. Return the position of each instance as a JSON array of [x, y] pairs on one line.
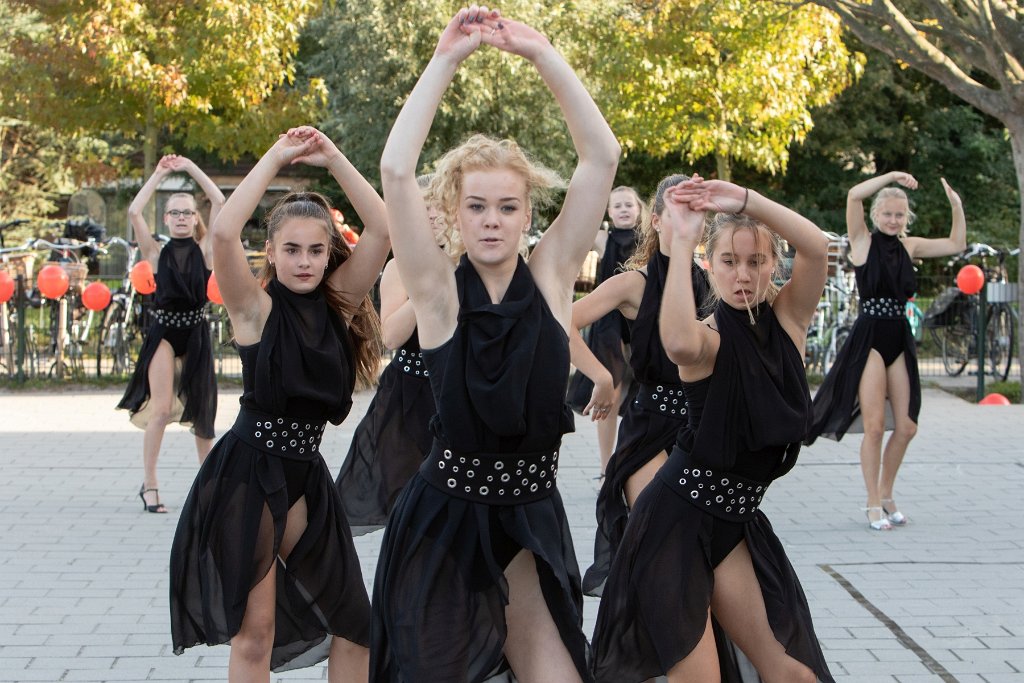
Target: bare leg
[[203, 447], [871, 395], [161, 398], [534, 648], [250, 648], [607, 429], [642, 477], [738, 605], [905, 430], [701, 665]]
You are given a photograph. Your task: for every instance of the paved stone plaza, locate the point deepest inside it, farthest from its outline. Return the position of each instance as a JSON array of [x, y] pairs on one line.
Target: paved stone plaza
[[83, 569]]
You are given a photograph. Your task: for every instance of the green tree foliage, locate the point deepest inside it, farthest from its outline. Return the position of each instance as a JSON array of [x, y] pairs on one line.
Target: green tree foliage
[[733, 79], [371, 52], [218, 73]]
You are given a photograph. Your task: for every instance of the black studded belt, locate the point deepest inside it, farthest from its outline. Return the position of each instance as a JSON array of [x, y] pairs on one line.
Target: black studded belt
[[293, 438], [883, 307], [180, 320], [492, 478], [722, 494], [665, 399], [411, 363]]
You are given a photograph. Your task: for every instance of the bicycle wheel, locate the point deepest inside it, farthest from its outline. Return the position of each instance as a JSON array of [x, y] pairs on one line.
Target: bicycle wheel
[[999, 334], [115, 349], [956, 343], [832, 349]]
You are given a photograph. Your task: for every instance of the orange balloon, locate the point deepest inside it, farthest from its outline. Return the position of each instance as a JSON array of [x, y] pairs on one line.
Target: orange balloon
[[6, 287], [970, 279], [96, 296], [994, 400], [213, 290], [52, 282], [142, 278]]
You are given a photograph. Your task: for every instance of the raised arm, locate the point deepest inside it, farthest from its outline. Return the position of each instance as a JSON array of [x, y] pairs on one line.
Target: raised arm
[[557, 257], [209, 188], [923, 247], [798, 299], [358, 274], [425, 270], [148, 247], [248, 305], [857, 229], [687, 341]]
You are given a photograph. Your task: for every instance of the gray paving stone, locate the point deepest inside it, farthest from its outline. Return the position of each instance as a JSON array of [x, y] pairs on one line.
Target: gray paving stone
[[85, 579]]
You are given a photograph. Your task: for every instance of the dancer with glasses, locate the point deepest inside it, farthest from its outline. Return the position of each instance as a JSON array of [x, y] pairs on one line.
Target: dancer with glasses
[[477, 573], [174, 379]]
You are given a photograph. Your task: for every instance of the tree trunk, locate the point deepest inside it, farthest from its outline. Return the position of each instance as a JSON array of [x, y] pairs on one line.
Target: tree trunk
[[149, 163], [1015, 124], [724, 166]]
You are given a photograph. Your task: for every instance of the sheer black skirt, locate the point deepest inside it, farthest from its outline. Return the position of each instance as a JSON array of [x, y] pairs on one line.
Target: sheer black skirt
[[388, 446], [230, 532], [440, 593], [195, 385]]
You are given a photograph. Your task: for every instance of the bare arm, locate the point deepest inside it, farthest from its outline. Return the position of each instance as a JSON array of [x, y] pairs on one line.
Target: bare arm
[[687, 341], [425, 271], [397, 318], [557, 257], [857, 229], [148, 247], [209, 188], [358, 274], [922, 247], [248, 305], [623, 293]]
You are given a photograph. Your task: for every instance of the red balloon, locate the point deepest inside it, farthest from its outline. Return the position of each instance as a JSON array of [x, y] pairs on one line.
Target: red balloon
[[970, 279], [96, 296], [6, 287], [994, 400], [52, 282], [213, 290], [142, 278]]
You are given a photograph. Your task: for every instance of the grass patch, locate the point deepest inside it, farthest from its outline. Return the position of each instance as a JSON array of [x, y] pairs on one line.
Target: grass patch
[[1011, 390]]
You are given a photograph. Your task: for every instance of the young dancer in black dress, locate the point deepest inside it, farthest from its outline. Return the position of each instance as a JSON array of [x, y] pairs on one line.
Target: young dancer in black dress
[[477, 572], [868, 373], [608, 335], [263, 556], [696, 546], [390, 442], [179, 332], [656, 413]]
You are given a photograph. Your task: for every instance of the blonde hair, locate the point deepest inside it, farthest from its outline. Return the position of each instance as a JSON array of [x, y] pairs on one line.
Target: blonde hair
[[639, 202], [363, 322], [715, 230], [890, 193], [650, 240], [484, 153], [200, 231]]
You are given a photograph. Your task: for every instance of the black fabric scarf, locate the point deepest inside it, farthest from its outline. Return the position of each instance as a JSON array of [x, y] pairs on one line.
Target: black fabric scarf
[[501, 340]]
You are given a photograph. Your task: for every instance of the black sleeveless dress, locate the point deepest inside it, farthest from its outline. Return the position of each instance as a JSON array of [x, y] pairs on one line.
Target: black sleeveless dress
[[179, 316], [298, 377], [390, 442], [652, 419], [486, 491], [607, 334], [744, 428], [885, 282]]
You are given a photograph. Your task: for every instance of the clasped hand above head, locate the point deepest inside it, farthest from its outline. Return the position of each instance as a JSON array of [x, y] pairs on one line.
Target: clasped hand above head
[[305, 145], [479, 25]]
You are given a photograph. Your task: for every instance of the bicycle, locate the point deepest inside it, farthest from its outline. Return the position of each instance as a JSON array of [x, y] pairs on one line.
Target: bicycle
[[832, 321], [121, 329], [954, 317], [19, 352]]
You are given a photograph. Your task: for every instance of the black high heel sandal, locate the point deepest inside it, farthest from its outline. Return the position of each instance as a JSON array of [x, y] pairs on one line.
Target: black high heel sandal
[[158, 508]]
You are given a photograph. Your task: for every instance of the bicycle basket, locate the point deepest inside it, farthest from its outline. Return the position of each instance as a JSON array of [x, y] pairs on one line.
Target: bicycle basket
[[947, 309], [77, 272], [20, 264]]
